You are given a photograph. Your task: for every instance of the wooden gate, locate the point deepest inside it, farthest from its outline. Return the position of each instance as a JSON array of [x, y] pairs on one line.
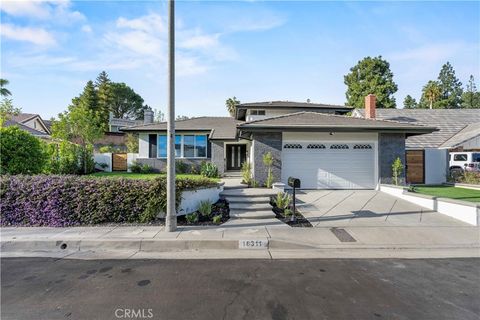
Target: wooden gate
[[415, 166], [119, 162]]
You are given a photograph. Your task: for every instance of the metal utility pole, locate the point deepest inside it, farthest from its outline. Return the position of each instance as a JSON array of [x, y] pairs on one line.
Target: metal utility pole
[[171, 218]]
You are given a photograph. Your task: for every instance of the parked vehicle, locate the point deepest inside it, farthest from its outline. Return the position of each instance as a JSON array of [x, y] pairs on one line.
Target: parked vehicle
[[464, 161]]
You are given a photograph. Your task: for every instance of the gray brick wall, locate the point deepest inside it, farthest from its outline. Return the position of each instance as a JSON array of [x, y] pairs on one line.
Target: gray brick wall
[[217, 154], [263, 143], [160, 165], [390, 146]]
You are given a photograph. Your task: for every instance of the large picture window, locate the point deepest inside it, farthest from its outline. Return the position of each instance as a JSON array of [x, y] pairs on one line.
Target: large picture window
[[186, 146]]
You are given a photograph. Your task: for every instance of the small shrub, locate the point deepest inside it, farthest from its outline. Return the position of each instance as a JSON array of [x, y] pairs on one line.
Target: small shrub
[[209, 170], [282, 200], [268, 162], [397, 168], [470, 177], [205, 208], [217, 219], [194, 169], [104, 149], [180, 167], [135, 167], [246, 172], [254, 184], [192, 218], [145, 168]]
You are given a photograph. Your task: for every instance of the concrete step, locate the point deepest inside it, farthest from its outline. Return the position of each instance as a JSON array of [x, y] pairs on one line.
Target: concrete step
[[248, 192], [250, 206], [253, 214], [248, 199], [241, 186]]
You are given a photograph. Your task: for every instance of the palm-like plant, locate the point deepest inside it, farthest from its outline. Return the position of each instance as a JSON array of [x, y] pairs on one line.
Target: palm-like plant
[[230, 103], [4, 92], [432, 91]]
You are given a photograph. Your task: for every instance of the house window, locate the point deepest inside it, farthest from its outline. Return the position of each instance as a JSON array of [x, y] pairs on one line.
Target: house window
[[257, 112], [186, 146]]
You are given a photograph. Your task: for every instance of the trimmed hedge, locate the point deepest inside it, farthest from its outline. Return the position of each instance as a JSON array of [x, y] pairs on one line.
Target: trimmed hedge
[[59, 201]]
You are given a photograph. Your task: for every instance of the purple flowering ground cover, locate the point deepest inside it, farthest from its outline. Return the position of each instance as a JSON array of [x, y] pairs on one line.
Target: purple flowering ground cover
[[66, 200]]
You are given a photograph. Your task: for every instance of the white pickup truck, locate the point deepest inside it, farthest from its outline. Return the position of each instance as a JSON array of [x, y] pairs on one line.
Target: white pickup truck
[[464, 161]]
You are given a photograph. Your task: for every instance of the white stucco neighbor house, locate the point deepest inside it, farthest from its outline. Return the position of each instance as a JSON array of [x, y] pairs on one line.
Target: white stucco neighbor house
[[30, 122], [318, 143], [427, 154]]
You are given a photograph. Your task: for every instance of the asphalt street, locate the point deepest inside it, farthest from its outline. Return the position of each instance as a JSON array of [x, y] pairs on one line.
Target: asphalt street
[[46, 288]]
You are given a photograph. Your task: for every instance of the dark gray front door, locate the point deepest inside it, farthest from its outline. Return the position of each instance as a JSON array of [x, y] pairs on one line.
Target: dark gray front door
[[236, 155]]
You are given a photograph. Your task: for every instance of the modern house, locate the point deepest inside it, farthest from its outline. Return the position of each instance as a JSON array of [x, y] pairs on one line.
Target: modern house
[[317, 143], [427, 154], [32, 123]]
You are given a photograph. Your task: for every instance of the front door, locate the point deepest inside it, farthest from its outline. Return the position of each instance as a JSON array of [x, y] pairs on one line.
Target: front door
[[236, 155]]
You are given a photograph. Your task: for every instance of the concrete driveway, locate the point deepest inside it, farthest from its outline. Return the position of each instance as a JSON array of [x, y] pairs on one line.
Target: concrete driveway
[[366, 208]]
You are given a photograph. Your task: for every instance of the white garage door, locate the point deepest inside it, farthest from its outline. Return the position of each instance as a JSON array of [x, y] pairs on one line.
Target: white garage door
[[330, 165]]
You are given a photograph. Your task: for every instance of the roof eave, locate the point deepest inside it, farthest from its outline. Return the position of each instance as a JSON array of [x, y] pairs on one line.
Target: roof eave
[[422, 130]]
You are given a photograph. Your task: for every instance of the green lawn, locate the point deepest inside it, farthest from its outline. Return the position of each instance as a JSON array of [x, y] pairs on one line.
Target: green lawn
[[450, 192], [145, 176]]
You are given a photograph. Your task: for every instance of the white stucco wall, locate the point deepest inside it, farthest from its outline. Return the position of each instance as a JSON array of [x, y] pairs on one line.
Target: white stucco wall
[[191, 199], [103, 158], [436, 166], [131, 157], [143, 145]]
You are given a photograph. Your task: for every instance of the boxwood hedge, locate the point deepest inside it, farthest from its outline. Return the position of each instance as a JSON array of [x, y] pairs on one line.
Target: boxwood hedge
[[66, 200]]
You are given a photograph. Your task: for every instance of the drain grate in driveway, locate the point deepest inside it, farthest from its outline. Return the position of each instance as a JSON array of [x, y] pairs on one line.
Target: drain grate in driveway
[[342, 235]]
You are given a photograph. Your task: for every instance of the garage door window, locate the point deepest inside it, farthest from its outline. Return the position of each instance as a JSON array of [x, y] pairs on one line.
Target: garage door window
[[339, 146], [315, 146], [292, 146], [362, 146]]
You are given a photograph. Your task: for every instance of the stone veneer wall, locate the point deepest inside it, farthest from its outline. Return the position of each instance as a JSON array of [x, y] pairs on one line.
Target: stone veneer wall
[[263, 143], [160, 165], [390, 146], [217, 155]]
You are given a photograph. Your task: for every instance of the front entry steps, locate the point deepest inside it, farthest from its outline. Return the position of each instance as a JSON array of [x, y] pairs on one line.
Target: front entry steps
[[249, 203]]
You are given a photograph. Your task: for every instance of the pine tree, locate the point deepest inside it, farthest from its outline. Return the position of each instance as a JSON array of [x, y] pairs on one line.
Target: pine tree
[[371, 76], [105, 97], [450, 88], [471, 98], [409, 102]]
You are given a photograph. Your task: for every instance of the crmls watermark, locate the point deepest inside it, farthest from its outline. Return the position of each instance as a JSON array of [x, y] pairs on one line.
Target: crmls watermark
[[126, 313]]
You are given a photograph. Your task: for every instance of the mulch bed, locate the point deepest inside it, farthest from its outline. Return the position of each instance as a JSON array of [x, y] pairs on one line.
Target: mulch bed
[[218, 208], [300, 220]]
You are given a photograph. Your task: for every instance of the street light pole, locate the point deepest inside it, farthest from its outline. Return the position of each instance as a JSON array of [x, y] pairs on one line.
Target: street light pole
[[171, 218]]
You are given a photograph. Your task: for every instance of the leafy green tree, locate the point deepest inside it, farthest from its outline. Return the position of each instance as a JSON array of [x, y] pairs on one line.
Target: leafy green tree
[[471, 98], [450, 88], [430, 95], [62, 158], [22, 153], [230, 103], [6, 110], [371, 76], [4, 92], [409, 102], [131, 141], [158, 115], [126, 102], [81, 124], [104, 89]]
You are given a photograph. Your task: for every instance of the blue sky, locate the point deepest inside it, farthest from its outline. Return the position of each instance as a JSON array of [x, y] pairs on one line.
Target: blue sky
[[257, 51]]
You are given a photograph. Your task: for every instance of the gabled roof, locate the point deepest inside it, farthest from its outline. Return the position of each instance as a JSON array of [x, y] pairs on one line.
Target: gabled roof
[[314, 121], [36, 133], [240, 109], [467, 133], [23, 118], [220, 128], [448, 121]]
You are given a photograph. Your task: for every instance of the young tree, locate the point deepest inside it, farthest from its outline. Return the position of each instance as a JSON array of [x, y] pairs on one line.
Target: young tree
[[371, 76], [6, 110], [409, 102], [104, 89], [471, 98], [158, 115], [450, 88], [81, 124], [126, 102], [230, 103], [4, 92], [431, 93]]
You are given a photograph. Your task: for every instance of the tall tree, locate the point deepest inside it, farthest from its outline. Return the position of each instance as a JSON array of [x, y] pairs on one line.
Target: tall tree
[[431, 93], [126, 102], [81, 124], [7, 110], [105, 96], [450, 88], [158, 115], [4, 92], [371, 76], [409, 102], [471, 98], [230, 103]]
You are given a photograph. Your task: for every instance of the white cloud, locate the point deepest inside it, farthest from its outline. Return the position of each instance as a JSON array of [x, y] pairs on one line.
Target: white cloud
[[86, 28], [58, 11], [430, 53], [37, 36]]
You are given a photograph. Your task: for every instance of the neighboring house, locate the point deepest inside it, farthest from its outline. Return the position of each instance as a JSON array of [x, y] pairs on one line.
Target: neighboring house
[[31, 123], [314, 142], [427, 155]]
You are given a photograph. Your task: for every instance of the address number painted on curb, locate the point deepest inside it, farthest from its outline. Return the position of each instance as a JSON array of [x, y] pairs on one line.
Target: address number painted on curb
[[253, 244]]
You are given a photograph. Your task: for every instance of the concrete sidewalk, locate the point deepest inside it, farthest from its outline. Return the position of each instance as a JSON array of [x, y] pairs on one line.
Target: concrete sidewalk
[[223, 242]]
